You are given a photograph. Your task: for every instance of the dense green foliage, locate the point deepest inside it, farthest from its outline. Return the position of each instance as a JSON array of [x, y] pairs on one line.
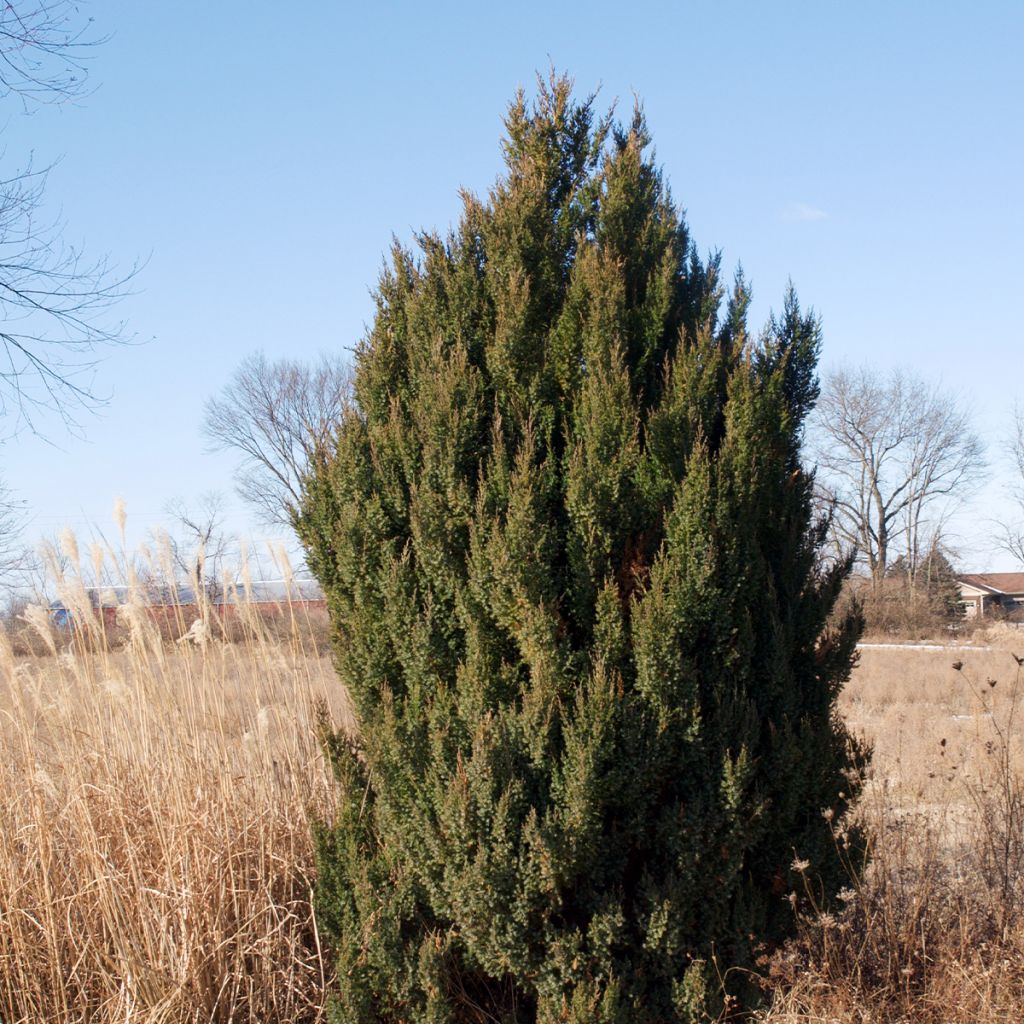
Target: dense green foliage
[[931, 586], [573, 576]]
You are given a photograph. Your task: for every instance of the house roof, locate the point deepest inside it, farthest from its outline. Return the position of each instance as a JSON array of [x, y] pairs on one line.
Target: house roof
[[279, 591], [995, 582], [258, 592]]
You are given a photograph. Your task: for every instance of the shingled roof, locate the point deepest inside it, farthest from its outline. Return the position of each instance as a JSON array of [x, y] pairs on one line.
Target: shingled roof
[[995, 582]]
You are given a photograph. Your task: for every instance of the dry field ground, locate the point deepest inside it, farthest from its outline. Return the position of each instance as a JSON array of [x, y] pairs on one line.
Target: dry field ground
[[155, 862], [932, 932]]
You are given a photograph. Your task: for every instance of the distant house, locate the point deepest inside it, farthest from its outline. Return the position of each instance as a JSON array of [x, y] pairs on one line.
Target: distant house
[[984, 592], [177, 603]]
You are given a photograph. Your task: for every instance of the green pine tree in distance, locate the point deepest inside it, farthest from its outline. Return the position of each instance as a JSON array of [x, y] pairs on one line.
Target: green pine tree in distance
[[577, 598]]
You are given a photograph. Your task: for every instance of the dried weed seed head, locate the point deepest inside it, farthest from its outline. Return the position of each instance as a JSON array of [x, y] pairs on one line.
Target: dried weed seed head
[[120, 516], [7, 663], [52, 562], [69, 546], [39, 619], [96, 556]]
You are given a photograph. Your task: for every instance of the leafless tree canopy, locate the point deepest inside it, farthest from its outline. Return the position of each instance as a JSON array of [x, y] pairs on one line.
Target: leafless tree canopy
[[55, 304], [200, 545], [54, 309], [278, 416], [12, 551], [1010, 533], [895, 456], [44, 49]]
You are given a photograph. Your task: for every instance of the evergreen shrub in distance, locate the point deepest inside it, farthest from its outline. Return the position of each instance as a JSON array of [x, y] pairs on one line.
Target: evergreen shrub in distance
[[577, 597]]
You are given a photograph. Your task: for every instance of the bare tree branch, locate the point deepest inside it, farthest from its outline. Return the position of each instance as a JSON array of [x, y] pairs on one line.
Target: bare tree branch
[[44, 50], [201, 546], [55, 302], [894, 456], [13, 555], [1010, 531], [279, 416], [54, 307]]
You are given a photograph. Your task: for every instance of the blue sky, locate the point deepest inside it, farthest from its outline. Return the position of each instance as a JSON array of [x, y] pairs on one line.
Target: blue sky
[[260, 160]]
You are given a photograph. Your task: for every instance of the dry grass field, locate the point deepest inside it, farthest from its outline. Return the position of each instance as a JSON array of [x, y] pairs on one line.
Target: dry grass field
[[932, 932], [155, 808], [155, 861]]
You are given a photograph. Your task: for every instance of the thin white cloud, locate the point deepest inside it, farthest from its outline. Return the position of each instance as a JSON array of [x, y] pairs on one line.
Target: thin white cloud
[[804, 211]]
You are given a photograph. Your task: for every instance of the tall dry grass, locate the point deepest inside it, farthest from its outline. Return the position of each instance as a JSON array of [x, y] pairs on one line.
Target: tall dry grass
[[156, 801], [155, 808]]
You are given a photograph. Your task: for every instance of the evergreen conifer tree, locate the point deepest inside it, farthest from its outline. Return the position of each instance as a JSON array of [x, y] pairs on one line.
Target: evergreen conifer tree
[[933, 581], [576, 595]]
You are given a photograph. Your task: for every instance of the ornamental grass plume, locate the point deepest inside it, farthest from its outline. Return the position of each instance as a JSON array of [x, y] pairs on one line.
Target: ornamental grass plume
[[121, 517], [69, 546], [38, 618]]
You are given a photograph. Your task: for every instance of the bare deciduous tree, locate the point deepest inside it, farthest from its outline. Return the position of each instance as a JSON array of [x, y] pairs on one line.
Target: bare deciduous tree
[[895, 456], [54, 303], [278, 416], [1010, 531], [13, 556], [200, 544]]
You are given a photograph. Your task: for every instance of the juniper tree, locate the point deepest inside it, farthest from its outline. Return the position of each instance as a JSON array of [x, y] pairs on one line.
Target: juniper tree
[[574, 581]]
